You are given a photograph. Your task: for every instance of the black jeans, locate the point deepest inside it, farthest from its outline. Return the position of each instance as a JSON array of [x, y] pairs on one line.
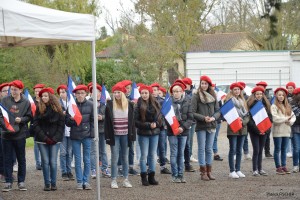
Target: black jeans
[[267, 144], [258, 144], [187, 152], [7, 147], [1, 158]]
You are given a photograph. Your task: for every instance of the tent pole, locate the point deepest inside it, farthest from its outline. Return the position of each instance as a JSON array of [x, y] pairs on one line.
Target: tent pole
[[95, 104]]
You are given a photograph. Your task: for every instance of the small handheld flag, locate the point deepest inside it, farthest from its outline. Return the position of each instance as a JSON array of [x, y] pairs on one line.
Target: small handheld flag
[[72, 106], [260, 117], [134, 95], [168, 112], [33, 106], [6, 119], [231, 115], [104, 95], [220, 94]]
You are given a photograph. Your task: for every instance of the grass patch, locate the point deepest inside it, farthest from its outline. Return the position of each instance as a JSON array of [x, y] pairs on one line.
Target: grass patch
[[29, 142]]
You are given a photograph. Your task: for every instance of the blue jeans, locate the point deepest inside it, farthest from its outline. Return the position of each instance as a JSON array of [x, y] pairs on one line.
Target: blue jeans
[[205, 141], [121, 143], [177, 145], [49, 154], [7, 147], [82, 177], [191, 138], [215, 145], [37, 156], [93, 155], [148, 146], [280, 144], [162, 147], [236, 143], [296, 148], [245, 146], [66, 155], [289, 146], [130, 155], [102, 152], [137, 149]]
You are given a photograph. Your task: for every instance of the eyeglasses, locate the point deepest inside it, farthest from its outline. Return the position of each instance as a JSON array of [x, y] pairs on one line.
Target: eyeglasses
[[4, 91]]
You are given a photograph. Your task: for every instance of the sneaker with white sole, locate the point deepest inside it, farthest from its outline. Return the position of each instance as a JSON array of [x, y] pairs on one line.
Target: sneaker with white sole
[[263, 173], [127, 184], [233, 175], [255, 173], [7, 187], [79, 186], [193, 159], [105, 173], [21, 186], [295, 169], [87, 186], [93, 174], [247, 156], [240, 174], [114, 184], [15, 167], [289, 155]]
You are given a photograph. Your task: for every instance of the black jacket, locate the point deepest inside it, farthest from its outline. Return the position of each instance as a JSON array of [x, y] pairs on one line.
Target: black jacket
[[21, 109], [252, 128], [186, 118], [143, 128], [109, 124], [49, 125], [100, 111], [86, 127]]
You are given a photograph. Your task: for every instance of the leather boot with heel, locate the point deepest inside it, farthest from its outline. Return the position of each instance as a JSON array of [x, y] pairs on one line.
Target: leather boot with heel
[[144, 179], [151, 179], [208, 171], [203, 173]]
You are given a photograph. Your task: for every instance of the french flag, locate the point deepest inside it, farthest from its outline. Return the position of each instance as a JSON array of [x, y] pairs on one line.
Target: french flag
[[231, 115], [260, 117], [220, 94], [33, 106], [6, 119], [134, 95], [168, 112], [104, 95], [72, 107]]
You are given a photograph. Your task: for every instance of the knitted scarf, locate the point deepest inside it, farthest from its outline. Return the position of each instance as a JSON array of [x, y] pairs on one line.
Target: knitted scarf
[[239, 105]]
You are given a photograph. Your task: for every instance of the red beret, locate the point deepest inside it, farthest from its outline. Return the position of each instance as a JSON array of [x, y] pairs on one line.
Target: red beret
[[126, 82], [290, 84], [139, 84], [178, 84], [262, 83], [155, 85], [164, 90], [255, 89], [89, 85], [61, 87], [181, 82], [80, 87], [146, 87], [119, 87], [296, 91], [187, 81], [233, 85], [17, 83], [214, 85], [282, 89], [49, 90], [3, 85], [243, 84], [98, 88], [207, 79], [39, 86]]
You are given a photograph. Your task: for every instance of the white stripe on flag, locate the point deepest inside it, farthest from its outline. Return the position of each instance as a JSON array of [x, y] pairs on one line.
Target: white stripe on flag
[[231, 115], [260, 116], [169, 116]]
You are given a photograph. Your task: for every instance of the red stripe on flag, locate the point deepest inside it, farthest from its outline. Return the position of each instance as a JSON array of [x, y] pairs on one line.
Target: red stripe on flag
[[264, 125], [33, 108], [8, 126], [77, 117], [175, 126], [236, 125]]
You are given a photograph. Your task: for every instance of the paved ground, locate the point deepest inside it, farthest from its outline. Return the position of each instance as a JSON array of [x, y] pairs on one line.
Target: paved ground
[[270, 187]]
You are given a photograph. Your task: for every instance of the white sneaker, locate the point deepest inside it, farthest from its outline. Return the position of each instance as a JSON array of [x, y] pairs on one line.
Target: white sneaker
[[15, 168], [93, 174], [114, 184], [127, 184], [73, 164], [233, 175], [255, 173], [295, 169], [247, 156], [240, 174], [289, 155], [192, 159]]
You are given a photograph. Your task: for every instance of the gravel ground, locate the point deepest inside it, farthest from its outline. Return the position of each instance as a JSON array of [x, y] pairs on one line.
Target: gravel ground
[[269, 187]]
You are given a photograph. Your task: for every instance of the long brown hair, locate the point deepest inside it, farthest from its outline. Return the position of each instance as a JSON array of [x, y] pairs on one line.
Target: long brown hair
[[53, 102], [252, 98], [296, 100], [209, 90], [144, 105], [285, 107]]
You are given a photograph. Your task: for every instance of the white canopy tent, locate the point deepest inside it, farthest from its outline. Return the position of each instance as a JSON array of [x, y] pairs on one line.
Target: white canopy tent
[[23, 24]]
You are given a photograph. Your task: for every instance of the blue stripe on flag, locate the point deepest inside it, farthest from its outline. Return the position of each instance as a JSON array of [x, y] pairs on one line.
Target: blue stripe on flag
[[227, 107], [103, 95], [256, 108], [166, 107]]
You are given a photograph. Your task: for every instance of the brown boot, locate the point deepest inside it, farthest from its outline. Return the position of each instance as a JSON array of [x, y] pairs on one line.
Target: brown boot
[[208, 170], [203, 173]]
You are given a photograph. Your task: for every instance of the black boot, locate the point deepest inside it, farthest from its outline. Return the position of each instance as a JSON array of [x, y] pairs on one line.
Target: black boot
[[144, 179], [151, 179]]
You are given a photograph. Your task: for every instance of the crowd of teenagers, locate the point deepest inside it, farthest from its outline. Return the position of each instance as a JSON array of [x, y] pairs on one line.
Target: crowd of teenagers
[[121, 122]]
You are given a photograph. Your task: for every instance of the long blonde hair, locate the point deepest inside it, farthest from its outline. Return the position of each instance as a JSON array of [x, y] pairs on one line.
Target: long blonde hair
[[121, 104], [285, 107], [241, 96]]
